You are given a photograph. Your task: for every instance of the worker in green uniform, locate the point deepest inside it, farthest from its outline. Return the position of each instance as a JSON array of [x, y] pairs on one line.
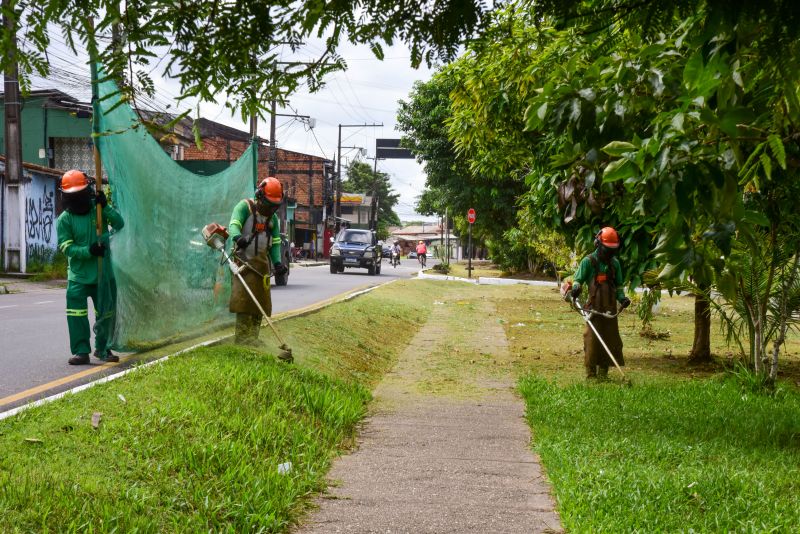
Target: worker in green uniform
[[77, 239], [255, 232], [602, 273]]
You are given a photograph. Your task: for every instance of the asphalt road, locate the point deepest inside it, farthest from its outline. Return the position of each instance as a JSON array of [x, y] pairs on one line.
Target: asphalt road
[[34, 343]]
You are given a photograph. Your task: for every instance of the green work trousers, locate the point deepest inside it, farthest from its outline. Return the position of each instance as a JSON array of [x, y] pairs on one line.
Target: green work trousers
[[78, 318]]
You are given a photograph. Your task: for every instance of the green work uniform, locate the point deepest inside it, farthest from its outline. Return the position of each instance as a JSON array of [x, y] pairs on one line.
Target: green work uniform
[[263, 234], [605, 290], [76, 233]]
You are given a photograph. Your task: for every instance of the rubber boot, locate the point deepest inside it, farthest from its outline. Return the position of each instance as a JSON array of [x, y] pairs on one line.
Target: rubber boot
[[602, 372], [591, 372]]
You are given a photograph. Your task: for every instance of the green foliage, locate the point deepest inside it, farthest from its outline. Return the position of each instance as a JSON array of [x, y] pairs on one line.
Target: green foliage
[[53, 267], [695, 455], [450, 183], [229, 48]]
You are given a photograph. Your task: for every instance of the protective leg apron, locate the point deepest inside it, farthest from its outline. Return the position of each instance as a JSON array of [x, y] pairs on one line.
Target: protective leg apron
[[248, 316], [603, 299]]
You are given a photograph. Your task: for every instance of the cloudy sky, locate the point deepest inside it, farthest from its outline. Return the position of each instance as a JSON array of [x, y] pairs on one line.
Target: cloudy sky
[[368, 92]]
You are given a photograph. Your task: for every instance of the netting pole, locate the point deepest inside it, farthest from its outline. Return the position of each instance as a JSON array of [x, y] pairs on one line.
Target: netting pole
[[98, 165], [254, 146]]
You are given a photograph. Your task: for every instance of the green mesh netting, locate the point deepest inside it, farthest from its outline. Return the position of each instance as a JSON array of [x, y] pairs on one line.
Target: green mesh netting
[[169, 283]]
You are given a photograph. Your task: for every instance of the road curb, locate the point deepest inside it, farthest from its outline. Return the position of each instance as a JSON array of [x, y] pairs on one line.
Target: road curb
[[208, 343], [484, 281]]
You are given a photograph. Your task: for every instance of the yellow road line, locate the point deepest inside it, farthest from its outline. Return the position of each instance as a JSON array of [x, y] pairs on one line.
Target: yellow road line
[[61, 381], [96, 369]]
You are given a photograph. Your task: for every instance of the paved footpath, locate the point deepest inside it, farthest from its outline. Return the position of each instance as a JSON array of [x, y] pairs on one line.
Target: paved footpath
[[446, 448]]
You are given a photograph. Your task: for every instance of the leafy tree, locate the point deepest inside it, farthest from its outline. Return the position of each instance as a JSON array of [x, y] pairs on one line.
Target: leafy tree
[[652, 136], [232, 48], [361, 178], [450, 184]]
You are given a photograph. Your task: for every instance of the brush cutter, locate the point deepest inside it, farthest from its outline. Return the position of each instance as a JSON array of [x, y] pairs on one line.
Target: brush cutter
[[215, 237], [587, 316]]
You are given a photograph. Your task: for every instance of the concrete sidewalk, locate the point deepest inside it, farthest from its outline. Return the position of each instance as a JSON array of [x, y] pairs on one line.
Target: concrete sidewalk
[[15, 284], [447, 448]]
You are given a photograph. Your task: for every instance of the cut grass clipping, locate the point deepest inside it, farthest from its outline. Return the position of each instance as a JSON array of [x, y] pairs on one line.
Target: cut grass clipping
[[221, 439], [702, 456]]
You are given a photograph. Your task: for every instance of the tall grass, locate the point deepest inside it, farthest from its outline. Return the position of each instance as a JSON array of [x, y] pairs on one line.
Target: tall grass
[[669, 456], [195, 444]]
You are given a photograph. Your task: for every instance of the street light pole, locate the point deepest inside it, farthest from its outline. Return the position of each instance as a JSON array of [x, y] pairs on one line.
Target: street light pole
[[337, 206]]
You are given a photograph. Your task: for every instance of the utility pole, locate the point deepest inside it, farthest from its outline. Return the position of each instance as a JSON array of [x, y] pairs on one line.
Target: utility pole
[[337, 207], [12, 237]]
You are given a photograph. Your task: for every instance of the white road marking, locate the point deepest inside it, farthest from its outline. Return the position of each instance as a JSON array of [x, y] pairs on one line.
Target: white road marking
[[44, 302], [11, 306]]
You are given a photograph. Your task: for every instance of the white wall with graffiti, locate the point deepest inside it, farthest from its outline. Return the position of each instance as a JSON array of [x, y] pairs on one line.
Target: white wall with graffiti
[[40, 218]]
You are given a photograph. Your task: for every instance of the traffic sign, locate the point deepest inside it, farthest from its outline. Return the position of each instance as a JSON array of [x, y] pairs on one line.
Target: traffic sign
[[471, 215]]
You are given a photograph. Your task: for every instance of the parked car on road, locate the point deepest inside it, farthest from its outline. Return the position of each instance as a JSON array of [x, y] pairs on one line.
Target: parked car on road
[[356, 248]]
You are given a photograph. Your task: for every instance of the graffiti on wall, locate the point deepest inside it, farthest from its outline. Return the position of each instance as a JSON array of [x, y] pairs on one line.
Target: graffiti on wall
[[40, 219]]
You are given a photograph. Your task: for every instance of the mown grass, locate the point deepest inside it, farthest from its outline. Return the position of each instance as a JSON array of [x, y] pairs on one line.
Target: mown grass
[[684, 449], [670, 456], [194, 444]]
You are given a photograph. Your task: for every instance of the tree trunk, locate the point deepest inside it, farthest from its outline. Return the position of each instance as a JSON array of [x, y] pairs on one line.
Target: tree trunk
[[701, 346]]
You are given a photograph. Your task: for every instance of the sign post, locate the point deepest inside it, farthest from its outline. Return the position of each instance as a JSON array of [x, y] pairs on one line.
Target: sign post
[[471, 219]]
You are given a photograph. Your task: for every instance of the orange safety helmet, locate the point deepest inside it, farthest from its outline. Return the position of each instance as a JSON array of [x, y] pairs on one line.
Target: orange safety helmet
[[269, 190], [74, 181], [607, 237]]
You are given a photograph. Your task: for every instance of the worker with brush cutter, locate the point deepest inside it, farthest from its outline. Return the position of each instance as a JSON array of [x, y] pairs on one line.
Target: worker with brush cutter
[[602, 273], [255, 233], [78, 240]]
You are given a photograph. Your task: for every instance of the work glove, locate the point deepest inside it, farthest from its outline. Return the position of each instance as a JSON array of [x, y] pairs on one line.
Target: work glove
[[280, 269], [97, 249], [242, 242], [625, 302], [576, 291], [101, 199]]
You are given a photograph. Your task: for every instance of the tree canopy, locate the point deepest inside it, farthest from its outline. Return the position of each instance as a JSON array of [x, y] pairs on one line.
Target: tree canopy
[[234, 48]]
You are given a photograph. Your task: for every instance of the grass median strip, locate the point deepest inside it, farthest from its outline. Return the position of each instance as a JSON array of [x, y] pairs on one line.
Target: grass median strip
[[219, 439]]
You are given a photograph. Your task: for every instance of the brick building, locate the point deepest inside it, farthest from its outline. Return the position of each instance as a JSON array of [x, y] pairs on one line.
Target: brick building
[[306, 178]]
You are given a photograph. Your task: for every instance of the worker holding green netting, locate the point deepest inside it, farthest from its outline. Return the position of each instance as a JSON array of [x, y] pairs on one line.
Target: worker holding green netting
[[255, 235], [78, 241]]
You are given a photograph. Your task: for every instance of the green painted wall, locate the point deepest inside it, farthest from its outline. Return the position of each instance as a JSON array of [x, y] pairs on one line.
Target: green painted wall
[[60, 123]]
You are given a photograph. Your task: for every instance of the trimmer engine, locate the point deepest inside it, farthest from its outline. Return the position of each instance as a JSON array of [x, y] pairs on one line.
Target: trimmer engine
[[215, 236]]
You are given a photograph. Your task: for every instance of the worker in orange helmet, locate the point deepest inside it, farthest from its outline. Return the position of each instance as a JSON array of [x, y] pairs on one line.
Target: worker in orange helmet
[[602, 273], [255, 234], [77, 239]]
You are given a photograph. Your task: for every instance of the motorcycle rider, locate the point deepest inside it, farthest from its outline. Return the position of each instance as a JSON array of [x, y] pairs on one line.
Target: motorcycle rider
[[396, 253]]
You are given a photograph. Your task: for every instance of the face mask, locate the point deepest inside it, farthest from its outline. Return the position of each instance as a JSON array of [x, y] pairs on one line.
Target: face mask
[[79, 203], [266, 209], [605, 253]]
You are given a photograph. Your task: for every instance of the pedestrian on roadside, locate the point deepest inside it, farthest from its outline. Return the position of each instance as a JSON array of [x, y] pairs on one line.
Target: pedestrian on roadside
[[602, 273], [77, 239], [255, 235]]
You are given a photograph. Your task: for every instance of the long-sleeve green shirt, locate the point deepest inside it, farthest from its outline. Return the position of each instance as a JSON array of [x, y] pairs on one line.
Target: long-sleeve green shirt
[[586, 272], [241, 212], [76, 233]]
